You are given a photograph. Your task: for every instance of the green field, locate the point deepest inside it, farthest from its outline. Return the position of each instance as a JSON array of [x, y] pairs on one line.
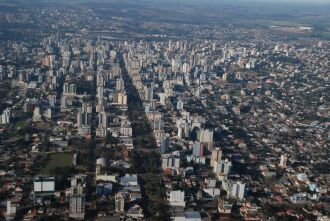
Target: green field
[[21, 124], [56, 160]]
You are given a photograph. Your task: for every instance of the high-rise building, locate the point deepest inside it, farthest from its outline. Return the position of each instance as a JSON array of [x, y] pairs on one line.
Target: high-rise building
[[77, 202], [198, 149], [149, 93], [177, 198], [179, 105], [69, 89], [84, 120], [119, 203], [103, 119], [164, 144], [52, 100], [216, 156], [36, 115], [122, 98], [100, 92], [283, 161], [120, 86], [238, 190], [170, 161], [205, 136], [64, 102], [5, 116], [222, 167]]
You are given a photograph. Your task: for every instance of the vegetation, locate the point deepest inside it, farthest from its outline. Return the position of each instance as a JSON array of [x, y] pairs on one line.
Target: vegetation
[[55, 162]]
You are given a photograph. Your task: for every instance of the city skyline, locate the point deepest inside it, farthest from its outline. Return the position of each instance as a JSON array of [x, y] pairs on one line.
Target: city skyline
[[164, 110]]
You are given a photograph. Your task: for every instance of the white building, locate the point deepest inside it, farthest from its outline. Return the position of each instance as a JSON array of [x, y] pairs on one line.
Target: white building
[[179, 105], [234, 189], [43, 185], [120, 86], [283, 160], [36, 115], [5, 116], [177, 198], [222, 167], [205, 136], [77, 202], [170, 162]]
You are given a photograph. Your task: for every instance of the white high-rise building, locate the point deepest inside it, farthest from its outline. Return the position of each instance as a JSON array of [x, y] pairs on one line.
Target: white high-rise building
[[100, 92], [69, 89], [84, 120], [5, 116], [205, 136], [77, 202], [179, 105], [162, 98], [103, 119], [170, 45], [222, 168], [283, 161], [64, 102], [120, 86], [186, 68], [170, 161], [36, 115], [177, 198], [238, 190]]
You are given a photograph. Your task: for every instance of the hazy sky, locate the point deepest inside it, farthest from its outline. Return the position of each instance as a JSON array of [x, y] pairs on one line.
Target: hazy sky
[[261, 1]]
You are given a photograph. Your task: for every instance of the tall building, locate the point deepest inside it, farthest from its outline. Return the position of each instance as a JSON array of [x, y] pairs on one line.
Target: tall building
[[100, 92], [122, 98], [164, 144], [77, 202], [84, 120], [103, 119], [101, 130], [170, 161], [52, 100], [179, 105], [119, 203], [177, 198], [283, 161], [198, 149], [36, 115], [216, 156], [120, 86], [5, 116], [69, 89], [222, 168], [205, 136], [238, 190], [64, 102], [149, 93]]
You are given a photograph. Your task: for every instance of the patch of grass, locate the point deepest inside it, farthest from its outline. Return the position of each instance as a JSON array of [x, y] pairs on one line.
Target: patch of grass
[[21, 124], [56, 160]]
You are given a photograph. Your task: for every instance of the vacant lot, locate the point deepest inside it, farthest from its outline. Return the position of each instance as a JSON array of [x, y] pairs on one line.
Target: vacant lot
[[56, 160]]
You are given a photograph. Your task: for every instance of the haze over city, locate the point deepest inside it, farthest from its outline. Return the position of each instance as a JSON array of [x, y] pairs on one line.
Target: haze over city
[[177, 110]]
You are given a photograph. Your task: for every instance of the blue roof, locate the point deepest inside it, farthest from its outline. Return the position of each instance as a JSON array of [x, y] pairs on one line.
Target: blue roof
[[192, 215]]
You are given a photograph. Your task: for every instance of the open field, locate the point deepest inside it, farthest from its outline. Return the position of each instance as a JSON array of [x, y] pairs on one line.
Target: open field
[[56, 160]]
